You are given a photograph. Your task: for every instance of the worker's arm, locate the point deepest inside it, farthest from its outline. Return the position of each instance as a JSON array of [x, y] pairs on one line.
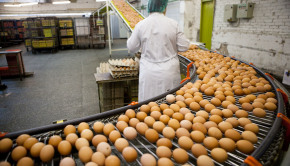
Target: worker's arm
[[134, 42], [182, 42]]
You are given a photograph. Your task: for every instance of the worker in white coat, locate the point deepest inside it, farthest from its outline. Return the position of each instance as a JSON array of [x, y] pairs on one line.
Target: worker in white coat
[[159, 39]]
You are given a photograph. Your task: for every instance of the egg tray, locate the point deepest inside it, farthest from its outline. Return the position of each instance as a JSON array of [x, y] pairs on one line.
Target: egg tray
[[269, 136]]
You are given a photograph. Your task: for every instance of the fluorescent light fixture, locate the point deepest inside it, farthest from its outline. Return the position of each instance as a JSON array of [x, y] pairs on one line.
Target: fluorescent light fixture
[[60, 2], [21, 4], [101, 0], [46, 14]]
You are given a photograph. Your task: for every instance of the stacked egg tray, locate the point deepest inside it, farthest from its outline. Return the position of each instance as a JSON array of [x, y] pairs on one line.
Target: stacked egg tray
[[120, 68], [270, 135]]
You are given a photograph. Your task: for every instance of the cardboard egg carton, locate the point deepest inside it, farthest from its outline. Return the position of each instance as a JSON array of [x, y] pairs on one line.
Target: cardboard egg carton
[[123, 62]]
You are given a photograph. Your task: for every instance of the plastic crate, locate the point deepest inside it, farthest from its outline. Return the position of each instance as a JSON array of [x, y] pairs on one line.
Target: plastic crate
[[47, 32], [35, 43], [27, 42], [65, 23]]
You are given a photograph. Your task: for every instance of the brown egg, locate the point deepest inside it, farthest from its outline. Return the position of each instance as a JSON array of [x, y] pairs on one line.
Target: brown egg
[[231, 99], [215, 132], [227, 144], [241, 114], [199, 119], [121, 143], [209, 107], [198, 150], [164, 119], [270, 94], [46, 153], [95, 141], [188, 101], [226, 103], [235, 123], [121, 125], [87, 134], [250, 136], [178, 116], [64, 148], [168, 132], [200, 127], [155, 108], [114, 135], [204, 160], [108, 128], [170, 98], [229, 93], [215, 118], [180, 92], [180, 155], [233, 108], [186, 124], [245, 146], [227, 113], [145, 108], [91, 164], [210, 124], [221, 97], [244, 100], [164, 142], [216, 112], [197, 136], [4, 163], [18, 152], [71, 138], [85, 154], [81, 142], [272, 100], [130, 133], [69, 129], [209, 92], [36, 148], [169, 112], [252, 127], [189, 117], [210, 142], [148, 160], [163, 151], [158, 126], [219, 154], [259, 112], [31, 141], [197, 98], [5, 145], [194, 106], [216, 102], [129, 154], [163, 106], [112, 160], [124, 118], [141, 116], [98, 127], [263, 96], [141, 128], [133, 122], [67, 161], [21, 139], [270, 106], [82, 126], [244, 121], [25, 161], [165, 162], [151, 135], [174, 124], [251, 97], [184, 111], [130, 113], [203, 114], [233, 134], [181, 104], [185, 142], [174, 107], [104, 148], [151, 104], [261, 100], [258, 105], [98, 158], [247, 106]]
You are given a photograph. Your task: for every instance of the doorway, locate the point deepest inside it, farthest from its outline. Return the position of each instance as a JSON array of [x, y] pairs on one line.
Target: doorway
[[206, 22]]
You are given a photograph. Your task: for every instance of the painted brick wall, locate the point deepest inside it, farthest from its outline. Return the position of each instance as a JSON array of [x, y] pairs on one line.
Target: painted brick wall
[[263, 40]]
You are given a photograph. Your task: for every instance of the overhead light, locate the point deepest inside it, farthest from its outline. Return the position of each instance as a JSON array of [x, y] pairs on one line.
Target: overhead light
[[21, 4], [45, 14], [60, 2]]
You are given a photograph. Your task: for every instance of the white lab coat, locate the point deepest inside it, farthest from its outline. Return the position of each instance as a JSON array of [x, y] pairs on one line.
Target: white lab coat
[[159, 38]]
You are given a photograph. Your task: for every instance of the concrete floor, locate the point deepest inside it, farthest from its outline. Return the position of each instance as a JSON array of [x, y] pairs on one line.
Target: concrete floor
[[63, 87]]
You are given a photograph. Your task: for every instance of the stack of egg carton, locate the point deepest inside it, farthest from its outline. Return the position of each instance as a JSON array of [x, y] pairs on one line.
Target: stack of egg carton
[[104, 68], [120, 68]]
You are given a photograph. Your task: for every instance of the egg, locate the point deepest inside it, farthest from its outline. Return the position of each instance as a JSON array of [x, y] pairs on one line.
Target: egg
[[252, 127], [149, 121], [82, 126], [151, 104], [112, 160], [245, 146], [165, 162], [189, 117], [187, 95], [108, 128], [221, 97], [145, 108], [204, 160], [185, 142], [54, 140], [133, 122], [194, 106], [114, 135], [261, 100], [129, 154], [178, 116], [85, 154], [202, 103], [203, 114], [21, 139], [121, 143], [216, 112], [25, 161], [181, 104], [46, 153], [158, 126], [141, 116], [233, 134], [227, 113], [155, 108], [163, 151], [130, 133], [272, 100], [241, 114], [123, 118], [231, 99], [215, 132], [216, 118], [71, 138], [64, 148], [5, 145], [179, 98], [91, 164], [250, 136], [148, 160], [104, 148], [186, 124], [270, 106], [219, 154], [233, 108], [151, 135], [227, 144], [98, 127], [98, 158], [216, 102], [18, 152], [244, 121], [81, 142], [210, 142], [164, 142], [130, 113], [174, 107], [170, 98], [188, 101], [233, 121], [4, 163], [95, 141], [199, 119], [36, 148], [198, 150], [259, 112], [155, 114], [169, 112], [258, 105], [87, 134], [180, 92], [174, 124], [141, 128], [67, 161], [180, 155], [69, 129], [209, 107], [29, 142], [163, 106], [197, 98]]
